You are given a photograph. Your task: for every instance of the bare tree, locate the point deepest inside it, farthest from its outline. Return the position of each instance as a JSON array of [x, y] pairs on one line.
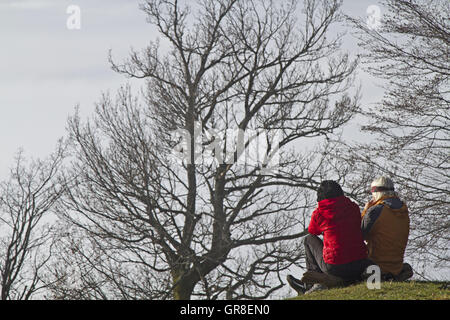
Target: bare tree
[[196, 228], [26, 201], [411, 125]]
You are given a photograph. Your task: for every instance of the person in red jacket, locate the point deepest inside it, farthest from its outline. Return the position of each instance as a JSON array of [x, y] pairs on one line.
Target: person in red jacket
[[342, 252]]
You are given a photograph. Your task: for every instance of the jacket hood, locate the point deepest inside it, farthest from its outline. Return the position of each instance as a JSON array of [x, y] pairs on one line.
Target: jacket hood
[[396, 205], [335, 207]]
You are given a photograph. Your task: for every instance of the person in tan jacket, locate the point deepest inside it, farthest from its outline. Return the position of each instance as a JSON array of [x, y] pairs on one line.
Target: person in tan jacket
[[385, 228]]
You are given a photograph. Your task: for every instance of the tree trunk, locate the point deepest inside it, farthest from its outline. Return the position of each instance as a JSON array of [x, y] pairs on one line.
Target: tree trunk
[[183, 288]]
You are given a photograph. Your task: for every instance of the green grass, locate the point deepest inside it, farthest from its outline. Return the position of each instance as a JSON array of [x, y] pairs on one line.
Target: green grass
[[410, 290]]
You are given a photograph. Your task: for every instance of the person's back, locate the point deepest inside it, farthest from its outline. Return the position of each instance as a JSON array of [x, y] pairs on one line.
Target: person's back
[[339, 220], [385, 227]]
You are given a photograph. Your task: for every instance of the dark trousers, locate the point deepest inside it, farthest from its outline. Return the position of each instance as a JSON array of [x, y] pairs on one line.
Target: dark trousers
[[314, 261]]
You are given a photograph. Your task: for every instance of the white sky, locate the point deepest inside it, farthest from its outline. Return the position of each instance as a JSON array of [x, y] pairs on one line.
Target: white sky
[[47, 69]]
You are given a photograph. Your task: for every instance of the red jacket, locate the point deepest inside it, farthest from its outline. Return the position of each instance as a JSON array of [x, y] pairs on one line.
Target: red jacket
[[339, 219]]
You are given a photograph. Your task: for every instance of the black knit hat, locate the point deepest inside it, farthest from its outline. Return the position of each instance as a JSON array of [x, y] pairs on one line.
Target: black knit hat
[[329, 189]]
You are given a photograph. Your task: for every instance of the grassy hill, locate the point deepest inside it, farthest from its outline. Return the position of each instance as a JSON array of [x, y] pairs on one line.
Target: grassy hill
[[410, 290]]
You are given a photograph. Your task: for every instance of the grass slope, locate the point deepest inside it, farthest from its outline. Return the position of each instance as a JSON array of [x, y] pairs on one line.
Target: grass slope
[[410, 290]]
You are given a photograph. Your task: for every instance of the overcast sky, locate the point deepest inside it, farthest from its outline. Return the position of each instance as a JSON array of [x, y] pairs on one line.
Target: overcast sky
[[47, 69]]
